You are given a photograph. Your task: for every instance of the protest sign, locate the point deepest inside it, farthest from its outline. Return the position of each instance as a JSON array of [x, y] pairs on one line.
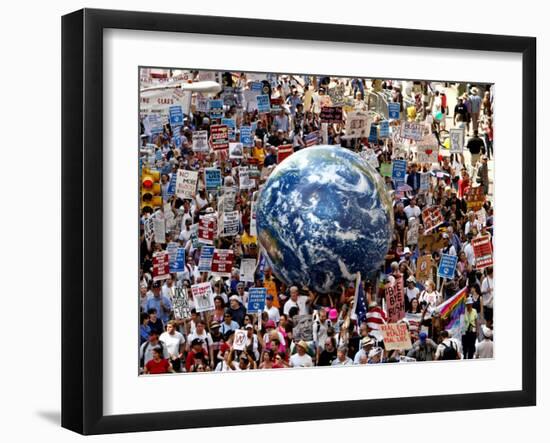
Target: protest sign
[[276, 105], [245, 182], [219, 137], [228, 96], [256, 299], [424, 182], [357, 125], [200, 141], [412, 231], [337, 94], [205, 259], [263, 104], [432, 242], [373, 133], [311, 139], [186, 184], [384, 129], [161, 267], [215, 108], [229, 196], [253, 207], [149, 227], [370, 156], [432, 218], [230, 224], [396, 336], [246, 137], [208, 227], [447, 265], [169, 217], [283, 152], [159, 228], [235, 150], [395, 299], [178, 263], [239, 340], [424, 268], [232, 128], [412, 130], [176, 116], [386, 169], [172, 250], [303, 328], [427, 150], [203, 297], [212, 178], [394, 110], [247, 269], [222, 262], [172, 185], [456, 136], [182, 310], [201, 103], [331, 114], [483, 252], [399, 169], [474, 198]]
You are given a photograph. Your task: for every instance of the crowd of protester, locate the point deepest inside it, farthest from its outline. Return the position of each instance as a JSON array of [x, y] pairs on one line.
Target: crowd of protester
[[203, 342]]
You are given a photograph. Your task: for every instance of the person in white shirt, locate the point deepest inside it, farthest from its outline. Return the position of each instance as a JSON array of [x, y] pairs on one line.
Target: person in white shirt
[[186, 232], [484, 349], [272, 312], [412, 210], [411, 291], [296, 300], [342, 358], [301, 359], [469, 251], [175, 344]]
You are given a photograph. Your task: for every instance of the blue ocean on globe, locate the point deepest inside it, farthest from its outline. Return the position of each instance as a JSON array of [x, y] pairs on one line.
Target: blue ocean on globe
[[323, 215]]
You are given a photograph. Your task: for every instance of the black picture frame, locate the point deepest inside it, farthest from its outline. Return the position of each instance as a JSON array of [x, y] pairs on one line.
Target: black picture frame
[[82, 219]]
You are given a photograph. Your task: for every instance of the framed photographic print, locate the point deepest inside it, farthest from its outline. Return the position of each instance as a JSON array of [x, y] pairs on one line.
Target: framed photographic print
[[281, 221]]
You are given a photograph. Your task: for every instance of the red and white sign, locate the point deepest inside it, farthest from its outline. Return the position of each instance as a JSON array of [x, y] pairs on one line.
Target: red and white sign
[[208, 226], [161, 266], [222, 262], [283, 152], [432, 218], [483, 252]]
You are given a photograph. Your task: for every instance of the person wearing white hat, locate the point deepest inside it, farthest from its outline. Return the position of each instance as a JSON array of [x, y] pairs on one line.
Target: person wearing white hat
[[484, 349], [469, 332]]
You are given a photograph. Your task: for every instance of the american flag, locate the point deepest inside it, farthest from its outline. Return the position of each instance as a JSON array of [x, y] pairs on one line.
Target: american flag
[[360, 303]]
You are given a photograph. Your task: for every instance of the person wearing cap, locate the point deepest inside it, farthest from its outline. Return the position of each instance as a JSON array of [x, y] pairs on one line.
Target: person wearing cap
[[272, 312], [301, 358], [196, 352], [175, 344], [484, 349], [205, 338], [236, 309], [423, 349], [411, 292], [367, 344], [217, 341], [252, 342]]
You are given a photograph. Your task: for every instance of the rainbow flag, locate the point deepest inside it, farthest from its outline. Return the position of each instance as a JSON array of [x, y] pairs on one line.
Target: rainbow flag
[[452, 312]]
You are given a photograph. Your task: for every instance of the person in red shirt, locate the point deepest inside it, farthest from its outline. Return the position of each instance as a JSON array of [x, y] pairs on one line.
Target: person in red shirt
[[463, 183], [195, 353], [158, 365]]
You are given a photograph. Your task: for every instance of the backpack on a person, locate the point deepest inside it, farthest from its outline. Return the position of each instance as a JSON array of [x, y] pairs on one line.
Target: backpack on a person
[[450, 352]]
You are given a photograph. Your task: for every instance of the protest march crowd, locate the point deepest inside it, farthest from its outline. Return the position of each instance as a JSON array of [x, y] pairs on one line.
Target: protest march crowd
[[209, 300]]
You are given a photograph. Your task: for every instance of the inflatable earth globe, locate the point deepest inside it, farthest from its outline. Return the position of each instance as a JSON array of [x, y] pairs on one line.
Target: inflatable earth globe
[[323, 215]]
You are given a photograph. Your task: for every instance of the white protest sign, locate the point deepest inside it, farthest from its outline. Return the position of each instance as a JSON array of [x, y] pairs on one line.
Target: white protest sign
[[253, 205], [428, 149], [357, 125], [248, 267], [245, 182], [159, 228], [203, 297], [412, 130], [200, 141], [239, 340], [186, 184], [235, 150], [230, 224], [149, 231], [456, 136]]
